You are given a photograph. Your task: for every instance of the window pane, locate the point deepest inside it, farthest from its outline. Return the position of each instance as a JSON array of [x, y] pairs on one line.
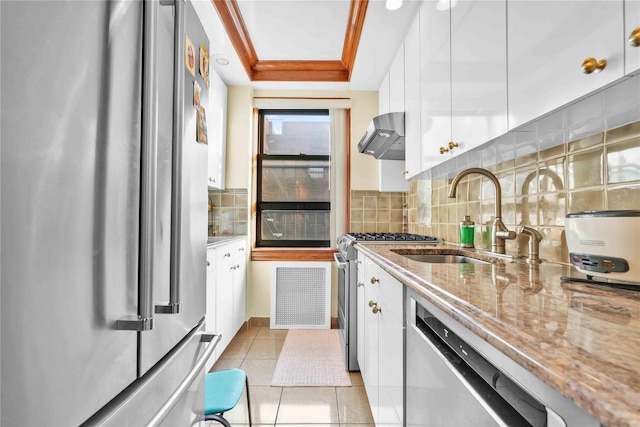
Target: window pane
[[296, 134], [295, 180], [295, 225]]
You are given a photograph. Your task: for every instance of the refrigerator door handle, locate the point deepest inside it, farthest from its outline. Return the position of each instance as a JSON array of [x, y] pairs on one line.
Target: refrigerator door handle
[[144, 321], [195, 373], [173, 306]]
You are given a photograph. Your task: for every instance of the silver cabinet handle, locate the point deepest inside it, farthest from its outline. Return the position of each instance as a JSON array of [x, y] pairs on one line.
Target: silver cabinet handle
[[173, 306], [148, 180], [227, 255], [208, 263]]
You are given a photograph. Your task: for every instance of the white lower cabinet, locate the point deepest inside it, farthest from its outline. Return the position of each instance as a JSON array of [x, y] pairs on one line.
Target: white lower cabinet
[[226, 291], [210, 305], [239, 285], [381, 356]]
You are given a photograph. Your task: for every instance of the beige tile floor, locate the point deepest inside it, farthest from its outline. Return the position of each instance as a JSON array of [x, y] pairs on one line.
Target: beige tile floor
[[256, 351]]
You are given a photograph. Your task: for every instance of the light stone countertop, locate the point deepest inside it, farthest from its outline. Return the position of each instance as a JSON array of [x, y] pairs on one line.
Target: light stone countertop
[[583, 340], [215, 241]]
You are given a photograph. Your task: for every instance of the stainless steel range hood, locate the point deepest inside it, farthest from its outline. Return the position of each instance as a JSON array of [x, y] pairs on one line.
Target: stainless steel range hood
[[384, 138]]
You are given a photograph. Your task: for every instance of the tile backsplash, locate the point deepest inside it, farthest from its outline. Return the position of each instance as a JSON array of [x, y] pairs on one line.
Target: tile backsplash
[[381, 212], [228, 212], [594, 172]]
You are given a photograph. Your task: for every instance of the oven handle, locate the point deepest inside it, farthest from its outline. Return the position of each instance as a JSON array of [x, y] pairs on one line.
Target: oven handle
[[340, 261]]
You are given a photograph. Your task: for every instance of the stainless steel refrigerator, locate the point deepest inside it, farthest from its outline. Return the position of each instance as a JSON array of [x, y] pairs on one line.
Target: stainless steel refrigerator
[[103, 213]]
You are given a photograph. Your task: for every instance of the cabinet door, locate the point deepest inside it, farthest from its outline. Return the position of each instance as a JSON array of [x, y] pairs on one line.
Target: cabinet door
[[224, 295], [478, 73], [548, 42], [371, 343], [631, 23], [390, 359], [239, 285], [391, 176], [210, 317], [435, 90], [396, 82], [383, 96], [412, 100], [217, 130]]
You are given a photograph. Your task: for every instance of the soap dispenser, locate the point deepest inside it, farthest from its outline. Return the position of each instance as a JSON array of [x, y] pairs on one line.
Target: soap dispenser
[[467, 232]]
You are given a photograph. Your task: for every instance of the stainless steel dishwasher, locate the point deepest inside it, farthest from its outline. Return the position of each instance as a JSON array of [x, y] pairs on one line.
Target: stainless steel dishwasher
[[451, 384]]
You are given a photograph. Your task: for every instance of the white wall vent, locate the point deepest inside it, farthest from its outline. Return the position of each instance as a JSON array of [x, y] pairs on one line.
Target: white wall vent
[[301, 295]]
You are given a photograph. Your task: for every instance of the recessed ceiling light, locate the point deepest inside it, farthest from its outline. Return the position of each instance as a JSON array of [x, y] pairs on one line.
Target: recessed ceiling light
[[221, 60], [393, 4]]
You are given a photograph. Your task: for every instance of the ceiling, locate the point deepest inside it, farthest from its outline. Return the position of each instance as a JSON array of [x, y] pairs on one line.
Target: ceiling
[[305, 44]]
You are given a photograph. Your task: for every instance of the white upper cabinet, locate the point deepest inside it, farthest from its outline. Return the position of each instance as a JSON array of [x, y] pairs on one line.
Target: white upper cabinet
[[217, 130], [476, 70], [383, 96], [412, 144], [463, 56], [632, 30], [396, 82], [435, 83], [478, 73], [391, 99], [547, 44]]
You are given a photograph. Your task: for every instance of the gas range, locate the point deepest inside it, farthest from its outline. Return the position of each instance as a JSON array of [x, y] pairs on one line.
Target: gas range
[[346, 241], [346, 260]]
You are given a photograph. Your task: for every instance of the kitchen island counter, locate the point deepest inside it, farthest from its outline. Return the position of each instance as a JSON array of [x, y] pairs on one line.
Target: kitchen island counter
[[583, 340]]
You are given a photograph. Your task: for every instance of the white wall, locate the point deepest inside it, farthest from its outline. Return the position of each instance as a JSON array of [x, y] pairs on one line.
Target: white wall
[[239, 137], [364, 168], [240, 160]]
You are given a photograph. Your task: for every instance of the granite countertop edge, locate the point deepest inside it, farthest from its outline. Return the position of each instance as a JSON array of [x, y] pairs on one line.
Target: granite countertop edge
[[608, 396], [215, 241]]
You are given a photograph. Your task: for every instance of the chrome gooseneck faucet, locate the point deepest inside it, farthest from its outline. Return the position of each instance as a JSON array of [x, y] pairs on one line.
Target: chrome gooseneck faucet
[[499, 232]]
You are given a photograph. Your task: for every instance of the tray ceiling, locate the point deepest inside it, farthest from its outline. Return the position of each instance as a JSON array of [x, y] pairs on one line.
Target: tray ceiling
[[309, 44]]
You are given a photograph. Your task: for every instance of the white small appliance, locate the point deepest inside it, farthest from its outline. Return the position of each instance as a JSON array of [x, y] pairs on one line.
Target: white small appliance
[[605, 244]]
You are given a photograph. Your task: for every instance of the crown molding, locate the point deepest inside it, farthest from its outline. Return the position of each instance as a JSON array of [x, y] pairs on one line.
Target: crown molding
[[293, 70]]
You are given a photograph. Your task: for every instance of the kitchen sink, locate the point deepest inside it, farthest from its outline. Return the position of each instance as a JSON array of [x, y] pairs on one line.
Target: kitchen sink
[[443, 256]]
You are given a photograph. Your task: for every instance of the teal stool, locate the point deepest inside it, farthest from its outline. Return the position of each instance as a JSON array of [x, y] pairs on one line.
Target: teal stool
[[222, 391]]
